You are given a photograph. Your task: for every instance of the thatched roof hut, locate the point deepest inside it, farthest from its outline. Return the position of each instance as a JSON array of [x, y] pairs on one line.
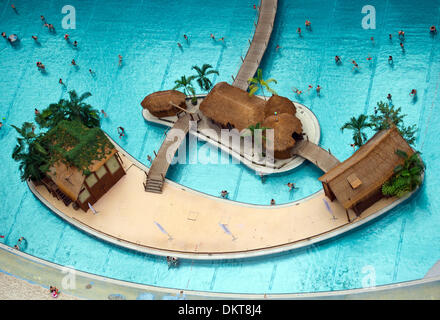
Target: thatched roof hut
[[83, 162], [286, 126], [231, 107], [279, 105], [357, 182], [158, 103]]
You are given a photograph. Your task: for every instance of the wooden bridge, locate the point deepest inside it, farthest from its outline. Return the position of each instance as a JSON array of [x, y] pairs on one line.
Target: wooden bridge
[[161, 163], [320, 157], [263, 30]]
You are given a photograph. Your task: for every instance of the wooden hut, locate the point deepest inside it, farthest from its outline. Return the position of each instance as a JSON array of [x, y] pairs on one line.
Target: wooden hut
[[231, 107], [357, 182], [286, 128], [160, 103], [72, 180]]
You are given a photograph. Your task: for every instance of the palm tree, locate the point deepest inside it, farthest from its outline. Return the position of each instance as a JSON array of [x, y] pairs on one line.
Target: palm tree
[[30, 152], [407, 176], [386, 115], [357, 125], [73, 110], [259, 83], [201, 77], [186, 85]]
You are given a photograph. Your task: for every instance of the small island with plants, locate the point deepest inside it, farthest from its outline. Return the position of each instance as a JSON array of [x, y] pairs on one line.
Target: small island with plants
[[71, 155], [383, 166]]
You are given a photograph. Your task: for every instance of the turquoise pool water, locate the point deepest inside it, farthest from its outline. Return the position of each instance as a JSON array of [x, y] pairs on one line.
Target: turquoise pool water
[[401, 246]]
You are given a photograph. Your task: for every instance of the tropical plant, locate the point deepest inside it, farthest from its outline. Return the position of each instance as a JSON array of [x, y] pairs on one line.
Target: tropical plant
[[30, 152], [357, 125], [73, 109], [185, 84], [407, 177], [71, 143], [259, 83], [387, 115], [201, 77]]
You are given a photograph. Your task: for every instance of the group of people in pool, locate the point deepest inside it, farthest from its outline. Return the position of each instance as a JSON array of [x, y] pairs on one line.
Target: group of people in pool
[[338, 60]]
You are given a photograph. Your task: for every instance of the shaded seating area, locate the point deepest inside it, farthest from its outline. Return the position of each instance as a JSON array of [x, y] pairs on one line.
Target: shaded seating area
[[357, 182]]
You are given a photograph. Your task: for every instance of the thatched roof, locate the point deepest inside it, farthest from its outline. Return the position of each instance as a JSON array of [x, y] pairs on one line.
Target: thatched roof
[[284, 125], [228, 104], [367, 169], [279, 105], [158, 103]]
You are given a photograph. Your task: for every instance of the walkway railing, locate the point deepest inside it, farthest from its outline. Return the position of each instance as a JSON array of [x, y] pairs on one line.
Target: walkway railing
[[266, 18]]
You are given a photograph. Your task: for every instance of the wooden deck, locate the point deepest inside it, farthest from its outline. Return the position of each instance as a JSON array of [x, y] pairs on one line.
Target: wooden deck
[[161, 163], [263, 31], [323, 159]]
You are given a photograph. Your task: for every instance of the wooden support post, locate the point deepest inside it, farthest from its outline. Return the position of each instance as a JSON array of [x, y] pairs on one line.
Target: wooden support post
[[348, 217]]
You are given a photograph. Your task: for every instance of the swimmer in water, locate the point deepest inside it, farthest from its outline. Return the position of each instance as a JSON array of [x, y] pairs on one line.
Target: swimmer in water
[[390, 60], [413, 93], [355, 65], [337, 59], [120, 59], [318, 89], [297, 91]]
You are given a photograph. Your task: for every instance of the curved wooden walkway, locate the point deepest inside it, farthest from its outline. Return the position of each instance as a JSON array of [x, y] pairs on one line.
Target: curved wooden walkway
[[263, 31], [323, 159]]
